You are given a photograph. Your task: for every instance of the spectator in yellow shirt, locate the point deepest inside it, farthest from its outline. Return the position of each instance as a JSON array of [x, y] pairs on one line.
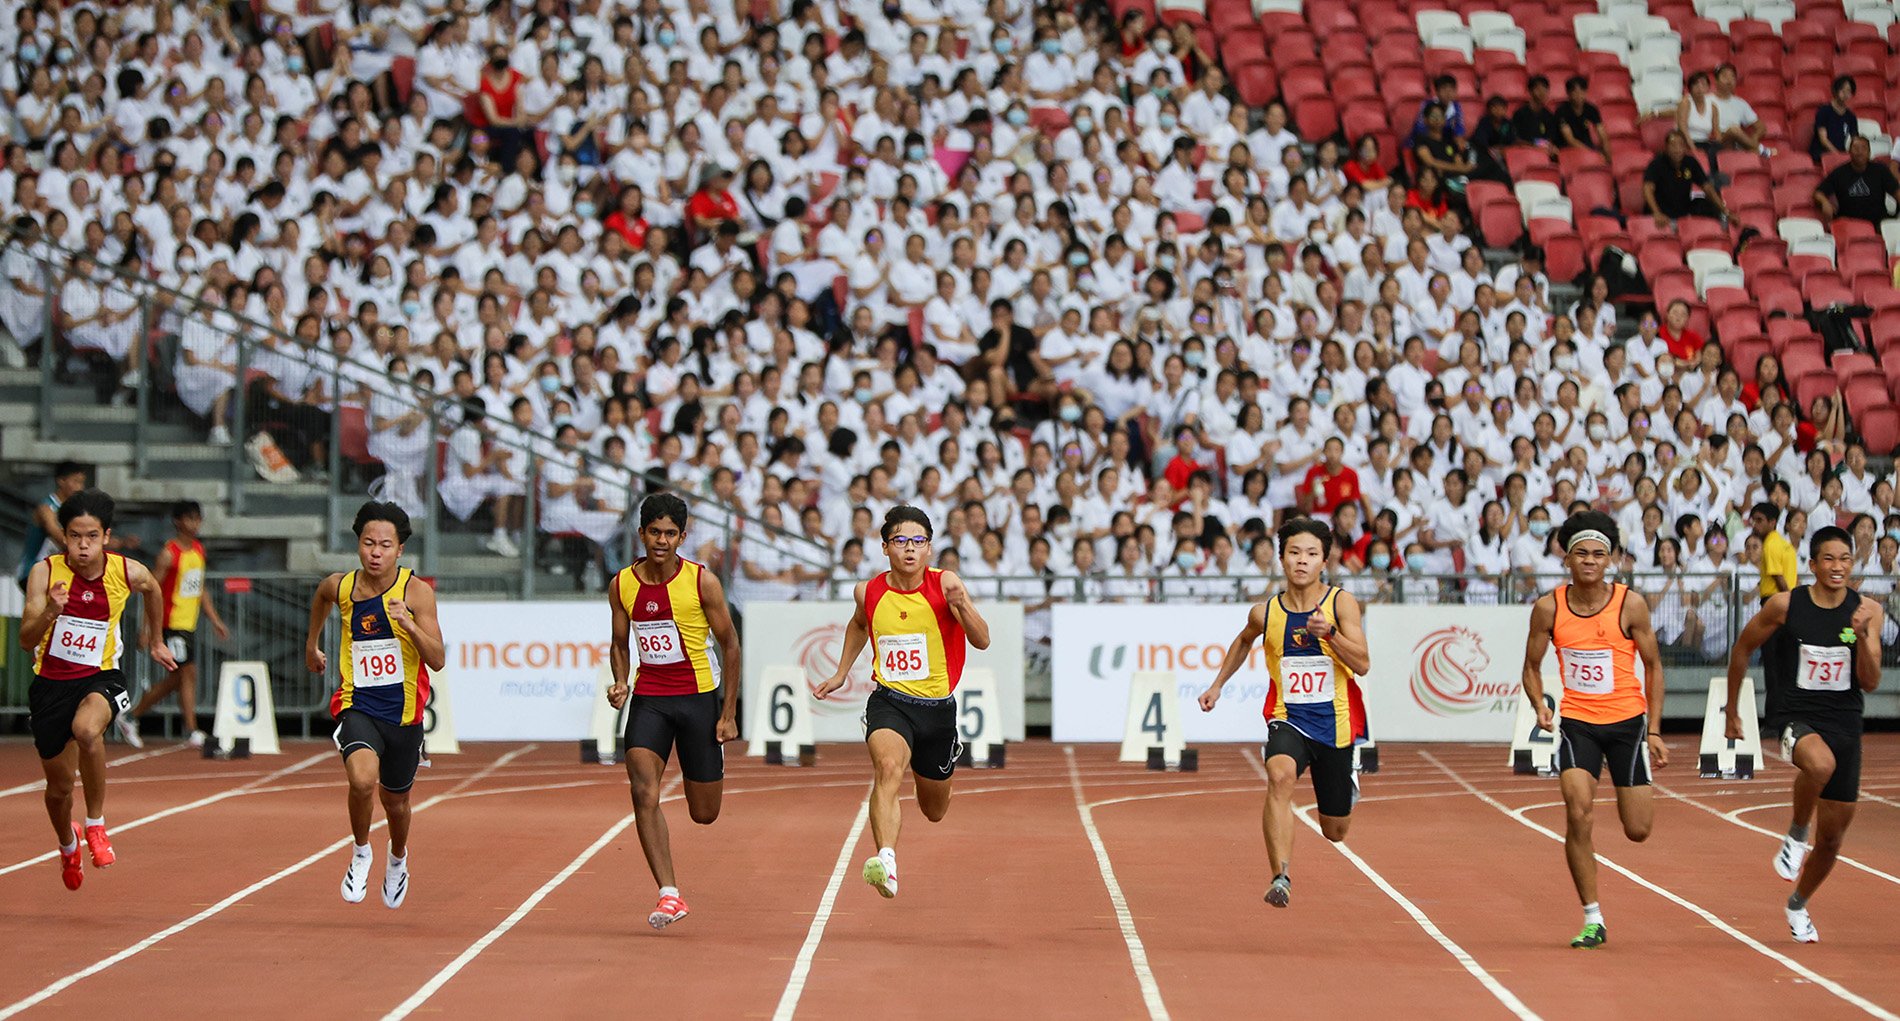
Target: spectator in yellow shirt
[[1779, 563]]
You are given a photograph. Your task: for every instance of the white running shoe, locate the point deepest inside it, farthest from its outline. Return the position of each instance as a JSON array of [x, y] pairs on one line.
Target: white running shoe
[[499, 545], [129, 730], [197, 739], [1788, 860], [1787, 744], [220, 435], [881, 878], [1801, 926], [356, 878], [395, 882]]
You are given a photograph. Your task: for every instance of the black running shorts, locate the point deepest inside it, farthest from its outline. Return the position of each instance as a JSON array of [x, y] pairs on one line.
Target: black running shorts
[[53, 704], [1844, 785], [398, 748], [928, 726], [1335, 785], [181, 644], [690, 723], [1623, 746]]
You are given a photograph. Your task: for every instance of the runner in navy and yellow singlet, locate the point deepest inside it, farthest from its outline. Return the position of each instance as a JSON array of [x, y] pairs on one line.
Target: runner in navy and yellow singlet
[[670, 609], [389, 642], [181, 576], [74, 602], [1315, 646], [1610, 716], [917, 620], [1820, 656]]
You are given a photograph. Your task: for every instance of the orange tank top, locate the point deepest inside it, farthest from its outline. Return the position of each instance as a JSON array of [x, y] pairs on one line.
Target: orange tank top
[[1597, 662]]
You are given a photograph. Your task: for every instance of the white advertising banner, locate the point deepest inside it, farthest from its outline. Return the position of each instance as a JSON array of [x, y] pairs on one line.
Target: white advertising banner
[[811, 636], [524, 671], [1439, 673], [1445, 673]]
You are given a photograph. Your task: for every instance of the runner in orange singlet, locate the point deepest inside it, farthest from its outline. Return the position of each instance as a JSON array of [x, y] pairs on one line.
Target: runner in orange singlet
[[1609, 715]]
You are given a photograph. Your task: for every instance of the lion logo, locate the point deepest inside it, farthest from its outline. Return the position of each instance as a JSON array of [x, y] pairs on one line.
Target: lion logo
[[1447, 665]]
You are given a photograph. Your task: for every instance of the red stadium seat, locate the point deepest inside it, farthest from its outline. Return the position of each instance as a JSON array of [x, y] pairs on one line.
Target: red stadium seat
[[1879, 430]]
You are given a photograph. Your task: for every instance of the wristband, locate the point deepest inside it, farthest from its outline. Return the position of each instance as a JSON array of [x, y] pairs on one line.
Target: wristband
[[1655, 733]]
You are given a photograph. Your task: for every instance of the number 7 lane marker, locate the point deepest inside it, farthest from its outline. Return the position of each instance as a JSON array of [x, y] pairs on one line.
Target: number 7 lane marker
[[1137, 953], [284, 873], [1458, 953], [1707, 916]]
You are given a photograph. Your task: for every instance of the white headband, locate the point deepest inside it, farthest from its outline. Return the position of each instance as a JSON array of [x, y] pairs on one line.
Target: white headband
[[1585, 536]]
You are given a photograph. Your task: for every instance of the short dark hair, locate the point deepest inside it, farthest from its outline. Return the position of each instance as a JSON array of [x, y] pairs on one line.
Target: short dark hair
[[663, 505], [1832, 533], [93, 503], [65, 468], [378, 510], [904, 514], [1307, 526], [1765, 509], [185, 509], [1589, 521]]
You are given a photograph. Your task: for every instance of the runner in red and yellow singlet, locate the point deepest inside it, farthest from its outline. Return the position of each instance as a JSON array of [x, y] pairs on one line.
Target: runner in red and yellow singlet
[[181, 575], [1610, 715], [74, 601], [669, 609], [917, 620]]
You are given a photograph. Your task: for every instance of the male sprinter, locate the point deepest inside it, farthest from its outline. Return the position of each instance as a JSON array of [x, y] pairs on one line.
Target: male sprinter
[[73, 604], [1609, 716], [390, 641], [1315, 647], [181, 575], [1820, 655], [671, 605], [917, 619]]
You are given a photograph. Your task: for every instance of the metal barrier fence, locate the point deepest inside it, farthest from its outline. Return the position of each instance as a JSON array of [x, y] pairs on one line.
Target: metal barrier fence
[[290, 419]]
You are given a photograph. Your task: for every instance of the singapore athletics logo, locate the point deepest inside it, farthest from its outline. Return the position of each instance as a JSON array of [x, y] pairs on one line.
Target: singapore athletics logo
[[1448, 668], [816, 652]]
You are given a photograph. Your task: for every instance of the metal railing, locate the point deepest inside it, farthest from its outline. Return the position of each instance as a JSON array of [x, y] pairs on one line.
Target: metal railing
[[170, 369]]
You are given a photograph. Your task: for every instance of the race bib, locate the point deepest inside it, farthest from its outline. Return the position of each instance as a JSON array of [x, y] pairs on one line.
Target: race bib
[[376, 663], [1824, 667], [658, 642], [192, 585], [79, 640], [1588, 671], [1308, 679], [904, 657]]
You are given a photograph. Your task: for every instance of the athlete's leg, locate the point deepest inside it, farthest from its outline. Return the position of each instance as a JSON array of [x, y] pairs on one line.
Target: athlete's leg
[[59, 791], [703, 799], [1636, 806], [1276, 819], [890, 760], [933, 797], [1580, 792], [1814, 765], [157, 692], [646, 770], [396, 810], [1335, 826], [1831, 822], [363, 767], [89, 733], [188, 696]]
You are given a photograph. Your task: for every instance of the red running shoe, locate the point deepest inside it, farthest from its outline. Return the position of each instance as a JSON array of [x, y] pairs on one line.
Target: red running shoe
[[670, 909], [100, 846], [69, 866]]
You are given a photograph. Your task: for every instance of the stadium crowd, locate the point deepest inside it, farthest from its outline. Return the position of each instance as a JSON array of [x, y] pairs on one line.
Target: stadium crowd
[[1030, 267]]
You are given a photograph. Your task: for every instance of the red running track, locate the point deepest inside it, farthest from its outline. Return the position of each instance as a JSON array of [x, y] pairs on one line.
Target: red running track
[[1066, 886]]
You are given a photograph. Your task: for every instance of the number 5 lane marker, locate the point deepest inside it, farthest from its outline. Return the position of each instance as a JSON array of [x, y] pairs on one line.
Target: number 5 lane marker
[[1137, 954], [1460, 954]]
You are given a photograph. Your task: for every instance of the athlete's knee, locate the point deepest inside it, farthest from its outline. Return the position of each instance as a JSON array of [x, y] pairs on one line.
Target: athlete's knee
[[1828, 840], [890, 769], [363, 783], [1638, 830], [705, 815], [1580, 818], [88, 734], [1334, 827], [935, 810], [646, 794]]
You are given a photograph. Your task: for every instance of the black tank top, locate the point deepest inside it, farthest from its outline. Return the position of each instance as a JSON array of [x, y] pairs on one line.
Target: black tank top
[[1809, 665]]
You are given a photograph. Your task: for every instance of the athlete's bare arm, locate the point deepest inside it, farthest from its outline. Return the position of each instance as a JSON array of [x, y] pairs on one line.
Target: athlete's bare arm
[[963, 608], [1345, 637], [211, 614], [856, 635], [617, 655], [1868, 621], [1536, 644], [416, 614], [1237, 652], [1636, 623], [1759, 629], [712, 599], [152, 613], [320, 606], [44, 604]]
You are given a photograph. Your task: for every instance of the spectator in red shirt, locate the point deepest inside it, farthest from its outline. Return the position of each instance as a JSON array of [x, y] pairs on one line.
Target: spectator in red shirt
[[1186, 461], [1684, 343], [1330, 484], [498, 105], [713, 203], [630, 220]]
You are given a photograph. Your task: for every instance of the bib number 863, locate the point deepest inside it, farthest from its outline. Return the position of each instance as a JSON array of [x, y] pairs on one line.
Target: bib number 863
[[655, 644]]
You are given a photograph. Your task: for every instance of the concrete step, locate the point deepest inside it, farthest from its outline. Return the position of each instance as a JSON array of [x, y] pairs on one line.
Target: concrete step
[[75, 412], [23, 443], [261, 527], [161, 487]]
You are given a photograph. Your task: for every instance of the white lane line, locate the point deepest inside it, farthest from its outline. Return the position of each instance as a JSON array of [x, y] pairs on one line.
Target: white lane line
[[1137, 954], [1706, 915], [189, 806], [801, 968], [122, 760], [475, 949], [284, 873], [1730, 817], [1460, 954]]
